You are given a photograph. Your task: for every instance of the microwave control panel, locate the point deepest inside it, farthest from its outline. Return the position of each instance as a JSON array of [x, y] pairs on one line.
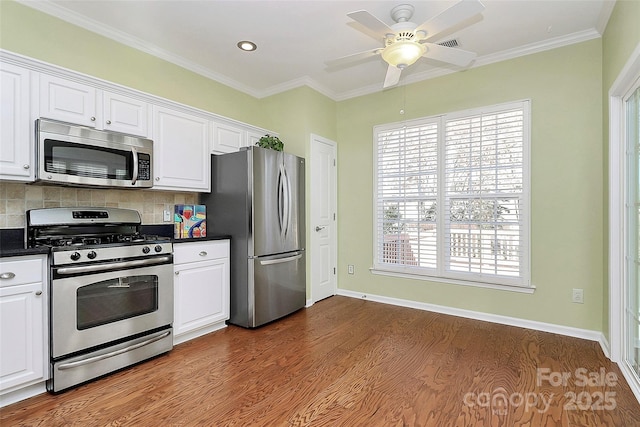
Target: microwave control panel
[[144, 167]]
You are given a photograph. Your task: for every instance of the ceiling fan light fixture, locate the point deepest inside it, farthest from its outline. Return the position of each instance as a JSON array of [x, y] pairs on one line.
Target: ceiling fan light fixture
[[247, 45], [403, 53]]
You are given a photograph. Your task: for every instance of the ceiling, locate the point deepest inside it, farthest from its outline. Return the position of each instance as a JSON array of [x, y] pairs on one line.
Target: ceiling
[[296, 38]]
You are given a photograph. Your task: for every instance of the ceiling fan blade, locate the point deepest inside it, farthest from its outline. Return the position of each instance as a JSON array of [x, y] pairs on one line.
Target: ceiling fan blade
[[451, 17], [453, 56], [393, 76], [353, 59], [371, 22]]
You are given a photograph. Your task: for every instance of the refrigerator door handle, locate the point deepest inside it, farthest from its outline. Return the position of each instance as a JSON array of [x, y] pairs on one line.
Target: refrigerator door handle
[[280, 200], [281, 260], [287, 184]]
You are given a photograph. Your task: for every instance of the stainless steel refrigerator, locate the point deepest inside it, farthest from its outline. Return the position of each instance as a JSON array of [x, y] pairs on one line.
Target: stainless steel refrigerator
[[257, 197]]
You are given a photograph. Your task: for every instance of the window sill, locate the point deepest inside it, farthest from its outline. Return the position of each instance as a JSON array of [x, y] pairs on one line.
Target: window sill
[[512, 288]]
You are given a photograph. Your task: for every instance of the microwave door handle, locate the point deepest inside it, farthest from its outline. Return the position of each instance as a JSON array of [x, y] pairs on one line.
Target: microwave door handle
[[134, 153]]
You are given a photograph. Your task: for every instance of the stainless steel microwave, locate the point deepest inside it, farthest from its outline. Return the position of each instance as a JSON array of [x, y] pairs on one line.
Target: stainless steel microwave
[[77, 155]]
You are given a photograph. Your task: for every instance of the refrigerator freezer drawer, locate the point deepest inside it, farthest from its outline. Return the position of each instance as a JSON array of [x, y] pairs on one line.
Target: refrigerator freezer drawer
[[279, 286]]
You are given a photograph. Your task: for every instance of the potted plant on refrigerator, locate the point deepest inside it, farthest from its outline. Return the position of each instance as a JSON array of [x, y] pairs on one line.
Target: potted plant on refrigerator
[[271, 142]]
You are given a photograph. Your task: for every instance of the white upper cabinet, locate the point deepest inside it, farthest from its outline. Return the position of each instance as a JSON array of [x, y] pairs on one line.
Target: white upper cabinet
[[72, 102], [125, 114], [16, 128], [184, 137], [228, 137], [181, 151], [67, 101], [253, 136]]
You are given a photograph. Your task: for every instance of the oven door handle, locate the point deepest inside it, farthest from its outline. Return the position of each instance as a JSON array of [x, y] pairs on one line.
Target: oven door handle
[[113, 353], [92, 268]]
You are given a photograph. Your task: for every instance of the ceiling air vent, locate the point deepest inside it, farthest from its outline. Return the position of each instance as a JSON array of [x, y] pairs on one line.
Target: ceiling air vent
[[449, 43]]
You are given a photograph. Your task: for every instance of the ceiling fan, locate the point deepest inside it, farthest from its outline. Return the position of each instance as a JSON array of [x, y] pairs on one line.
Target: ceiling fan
[[405, 42]]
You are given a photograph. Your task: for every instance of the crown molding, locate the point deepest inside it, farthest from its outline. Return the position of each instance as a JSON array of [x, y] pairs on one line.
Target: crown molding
[[605, 14], [504, 55], [82, 21], [296, 83], [64, 14]]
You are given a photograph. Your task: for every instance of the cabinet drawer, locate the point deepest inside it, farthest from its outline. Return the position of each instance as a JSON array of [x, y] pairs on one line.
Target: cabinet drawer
[[201, 251], [20, 271]]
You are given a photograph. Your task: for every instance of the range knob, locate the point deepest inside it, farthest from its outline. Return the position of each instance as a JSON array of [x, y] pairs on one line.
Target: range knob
[[158, 248], [75, 256], [146, 250], [92, 255]]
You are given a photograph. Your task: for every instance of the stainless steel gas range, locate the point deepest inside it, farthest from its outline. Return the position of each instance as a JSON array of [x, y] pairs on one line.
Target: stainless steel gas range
[[110, 288]]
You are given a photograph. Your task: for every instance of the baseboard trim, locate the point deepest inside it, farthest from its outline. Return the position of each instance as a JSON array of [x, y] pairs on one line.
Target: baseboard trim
[[198, 332], [309, 303], [22, 394], [488, 317]]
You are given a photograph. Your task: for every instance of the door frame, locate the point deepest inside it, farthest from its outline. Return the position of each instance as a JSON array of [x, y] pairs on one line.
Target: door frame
[[617, 218], [316, 139]]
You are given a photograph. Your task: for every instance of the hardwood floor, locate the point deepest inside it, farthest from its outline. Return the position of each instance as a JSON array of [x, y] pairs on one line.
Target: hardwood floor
[[350, 362]]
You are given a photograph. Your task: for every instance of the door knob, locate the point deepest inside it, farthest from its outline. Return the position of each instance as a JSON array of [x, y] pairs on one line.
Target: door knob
[[319, 227]]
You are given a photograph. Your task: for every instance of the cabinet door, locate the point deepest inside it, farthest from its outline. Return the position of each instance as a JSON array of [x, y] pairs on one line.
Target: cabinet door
[[228, 138], [201, 294], [253, 137], [67, 101], [124, 114], [21, 335], [181, 151], [16, 136]]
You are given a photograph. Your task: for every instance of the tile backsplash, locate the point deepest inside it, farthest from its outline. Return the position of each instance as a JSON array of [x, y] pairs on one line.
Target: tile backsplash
[[17, 198]]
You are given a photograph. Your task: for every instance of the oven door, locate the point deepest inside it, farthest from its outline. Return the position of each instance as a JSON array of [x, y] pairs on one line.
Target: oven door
[[90, 310]]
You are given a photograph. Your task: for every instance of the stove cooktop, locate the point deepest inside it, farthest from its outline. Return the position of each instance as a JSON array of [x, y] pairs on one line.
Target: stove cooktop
[[88, 227], [80, 241]]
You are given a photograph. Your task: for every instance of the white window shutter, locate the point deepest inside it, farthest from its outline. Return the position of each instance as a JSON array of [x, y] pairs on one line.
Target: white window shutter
[[451, 196]]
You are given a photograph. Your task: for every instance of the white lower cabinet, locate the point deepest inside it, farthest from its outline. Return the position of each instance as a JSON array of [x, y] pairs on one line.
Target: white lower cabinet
[[23, 332], [201, 288]]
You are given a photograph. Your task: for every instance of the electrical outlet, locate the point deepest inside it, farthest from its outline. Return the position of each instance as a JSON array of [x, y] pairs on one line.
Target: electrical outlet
[[577, 296], [350, 269], [166, 216]]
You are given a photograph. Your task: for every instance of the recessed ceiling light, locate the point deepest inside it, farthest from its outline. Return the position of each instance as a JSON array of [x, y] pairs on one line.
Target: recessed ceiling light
[[247, 45]]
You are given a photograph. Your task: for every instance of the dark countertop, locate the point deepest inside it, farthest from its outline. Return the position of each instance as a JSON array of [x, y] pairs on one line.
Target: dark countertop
[[12, 244], [12, 240], [166, 230], [203, 239]]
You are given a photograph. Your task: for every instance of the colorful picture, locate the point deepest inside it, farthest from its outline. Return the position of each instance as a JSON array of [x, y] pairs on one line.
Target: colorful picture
[[190, 221]]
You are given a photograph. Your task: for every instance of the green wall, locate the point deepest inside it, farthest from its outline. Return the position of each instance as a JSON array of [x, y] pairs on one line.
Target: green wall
[[620, 38], [294, 114], [37, 35], [298, 113], [564, 86], [568, 167]]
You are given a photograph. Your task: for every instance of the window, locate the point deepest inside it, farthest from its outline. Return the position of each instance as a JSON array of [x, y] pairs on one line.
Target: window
[[451, 196]]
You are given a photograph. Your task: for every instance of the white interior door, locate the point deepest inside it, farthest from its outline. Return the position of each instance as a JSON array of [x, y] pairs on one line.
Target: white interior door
[[323, 249]]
